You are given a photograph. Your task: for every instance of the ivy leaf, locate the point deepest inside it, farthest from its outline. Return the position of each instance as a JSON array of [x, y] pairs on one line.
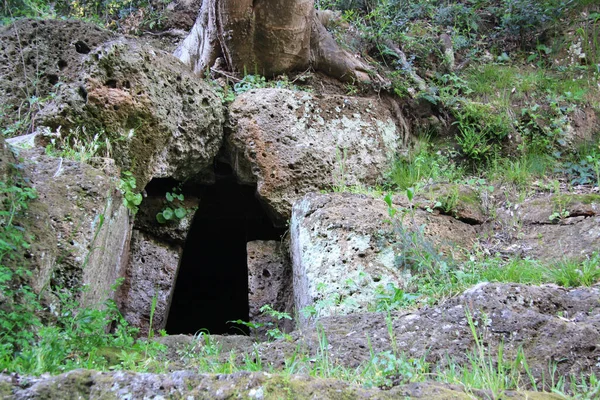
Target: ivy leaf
[[169, 197], [160, 218], [167, 213], [133, 198], [180, 212]]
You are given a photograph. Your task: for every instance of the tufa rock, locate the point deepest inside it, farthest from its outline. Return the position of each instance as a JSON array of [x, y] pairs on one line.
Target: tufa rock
[[292, 143], [342, 252], [80, 225], [151, 273], [158, 119], [346, 249], [269, 283]]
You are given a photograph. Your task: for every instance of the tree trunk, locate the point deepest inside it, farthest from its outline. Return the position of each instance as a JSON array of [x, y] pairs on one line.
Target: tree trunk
[[266, 37]]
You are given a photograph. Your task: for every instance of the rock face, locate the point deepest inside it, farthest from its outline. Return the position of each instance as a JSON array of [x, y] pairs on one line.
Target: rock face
[[291, 143], [342, 252], [573, 231], [345, 249], [37, 55], [154, 256], [82, 226], [160, 120], [269, 282], [247, 385]]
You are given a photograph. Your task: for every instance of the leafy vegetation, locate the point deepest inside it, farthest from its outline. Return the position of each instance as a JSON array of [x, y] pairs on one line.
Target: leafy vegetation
[[503, 98], [39, 335], [174, 209], [131, 198]]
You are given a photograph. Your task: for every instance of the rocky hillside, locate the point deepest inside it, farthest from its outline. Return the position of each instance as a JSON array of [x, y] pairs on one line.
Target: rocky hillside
[[432, 231]]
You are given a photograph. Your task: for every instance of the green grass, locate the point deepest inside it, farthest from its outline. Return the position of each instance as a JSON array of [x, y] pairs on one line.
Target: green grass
[[506, 84], [521, 170], [423, 166], [571, 273], [484, 370]]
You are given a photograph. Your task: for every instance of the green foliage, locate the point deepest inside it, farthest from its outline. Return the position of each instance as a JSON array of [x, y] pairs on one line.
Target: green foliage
[[522, 169], [545, 129], [27, 111], [78, 144], [250, 82], [583, 167], [480, 129], [127, 186], [10, 9], [490, 371], [19, 303], [273, 331], [80, 338], [174, 211], [423, 166], [570, 273], [110, 13], [391, 297]]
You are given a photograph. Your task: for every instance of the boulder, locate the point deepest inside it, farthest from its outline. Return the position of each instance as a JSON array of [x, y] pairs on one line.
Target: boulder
[[80, 225], [142, 105], [346, 249], [342, 253], [161, 120], [291, 143]]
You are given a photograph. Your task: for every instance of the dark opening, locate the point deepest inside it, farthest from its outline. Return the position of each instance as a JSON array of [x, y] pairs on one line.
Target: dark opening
[[212, 285]]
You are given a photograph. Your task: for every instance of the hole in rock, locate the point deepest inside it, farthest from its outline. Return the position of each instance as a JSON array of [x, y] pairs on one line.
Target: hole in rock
[[212, 283], [81, 47], [52, 79]]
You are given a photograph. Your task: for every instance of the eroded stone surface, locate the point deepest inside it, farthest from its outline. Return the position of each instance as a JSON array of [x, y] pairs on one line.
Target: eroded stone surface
[[151, 273], [342, 252], [551, 227], [161, 120], [291, 143], [82, 226], [346, 248], [269, 282], [53, 49], [251, 385]]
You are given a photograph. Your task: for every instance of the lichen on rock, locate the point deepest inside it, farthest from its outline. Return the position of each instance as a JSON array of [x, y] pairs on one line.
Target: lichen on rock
[[292, 143]]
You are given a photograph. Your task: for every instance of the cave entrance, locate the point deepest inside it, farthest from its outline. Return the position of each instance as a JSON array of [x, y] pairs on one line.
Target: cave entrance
[[212, 282]]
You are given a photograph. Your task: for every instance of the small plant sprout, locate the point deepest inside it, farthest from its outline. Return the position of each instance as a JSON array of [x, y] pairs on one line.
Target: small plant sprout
[[127, 185], [173, 210]]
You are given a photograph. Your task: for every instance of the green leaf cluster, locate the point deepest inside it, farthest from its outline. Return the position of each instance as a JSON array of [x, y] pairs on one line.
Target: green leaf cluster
[[174, 210], [127, 185]]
